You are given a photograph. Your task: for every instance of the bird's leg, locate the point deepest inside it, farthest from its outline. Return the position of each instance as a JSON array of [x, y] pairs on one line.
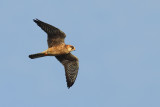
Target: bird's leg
[[45, 52]]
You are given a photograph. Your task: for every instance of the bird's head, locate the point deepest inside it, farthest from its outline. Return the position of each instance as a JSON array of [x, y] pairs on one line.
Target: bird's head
[[70, 48]]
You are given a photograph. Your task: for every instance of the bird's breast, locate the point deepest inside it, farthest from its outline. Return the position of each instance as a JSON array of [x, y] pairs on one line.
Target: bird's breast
[[58, 50]]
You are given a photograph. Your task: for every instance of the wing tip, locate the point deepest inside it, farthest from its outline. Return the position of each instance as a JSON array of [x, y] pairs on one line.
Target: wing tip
[[70, 84], [36, 20]]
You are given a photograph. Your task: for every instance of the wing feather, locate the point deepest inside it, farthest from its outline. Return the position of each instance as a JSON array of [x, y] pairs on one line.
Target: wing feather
[[71, 65], [55, 35]]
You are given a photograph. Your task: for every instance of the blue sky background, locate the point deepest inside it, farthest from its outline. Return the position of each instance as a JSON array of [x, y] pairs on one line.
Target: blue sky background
[[117, 43]]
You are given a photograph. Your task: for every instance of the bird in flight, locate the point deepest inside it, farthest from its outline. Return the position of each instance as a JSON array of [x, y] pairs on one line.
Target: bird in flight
[[62, 52]]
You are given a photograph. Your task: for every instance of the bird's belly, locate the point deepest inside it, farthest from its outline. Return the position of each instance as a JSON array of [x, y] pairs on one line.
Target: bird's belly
[[57, 51]]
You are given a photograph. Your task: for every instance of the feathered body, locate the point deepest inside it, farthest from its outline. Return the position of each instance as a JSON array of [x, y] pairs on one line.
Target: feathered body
[[57, 48]]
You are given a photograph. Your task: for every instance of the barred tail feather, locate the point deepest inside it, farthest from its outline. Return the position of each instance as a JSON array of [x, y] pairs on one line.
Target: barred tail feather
[[38, 55]]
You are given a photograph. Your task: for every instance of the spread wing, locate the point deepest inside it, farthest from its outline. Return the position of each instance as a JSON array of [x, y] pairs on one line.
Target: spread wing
[[71, 65], [55, 35]]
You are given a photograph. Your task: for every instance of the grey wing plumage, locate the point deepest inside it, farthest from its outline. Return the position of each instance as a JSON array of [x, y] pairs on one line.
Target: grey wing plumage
[[55, 35], [71, 65]]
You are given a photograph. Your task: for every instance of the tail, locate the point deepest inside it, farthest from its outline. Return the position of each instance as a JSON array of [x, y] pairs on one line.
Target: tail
[[38, 55]]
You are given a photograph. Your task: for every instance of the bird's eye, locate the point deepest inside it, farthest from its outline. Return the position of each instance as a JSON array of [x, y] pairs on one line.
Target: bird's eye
[[72, 47]]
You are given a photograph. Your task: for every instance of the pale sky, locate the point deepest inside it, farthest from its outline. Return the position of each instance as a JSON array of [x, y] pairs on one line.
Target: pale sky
[[117, 43]]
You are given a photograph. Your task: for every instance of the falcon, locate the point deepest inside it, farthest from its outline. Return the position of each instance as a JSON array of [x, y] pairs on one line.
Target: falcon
[[58, 48]]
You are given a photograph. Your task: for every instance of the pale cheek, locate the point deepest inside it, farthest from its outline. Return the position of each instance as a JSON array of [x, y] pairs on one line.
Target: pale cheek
[[69, 49]]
